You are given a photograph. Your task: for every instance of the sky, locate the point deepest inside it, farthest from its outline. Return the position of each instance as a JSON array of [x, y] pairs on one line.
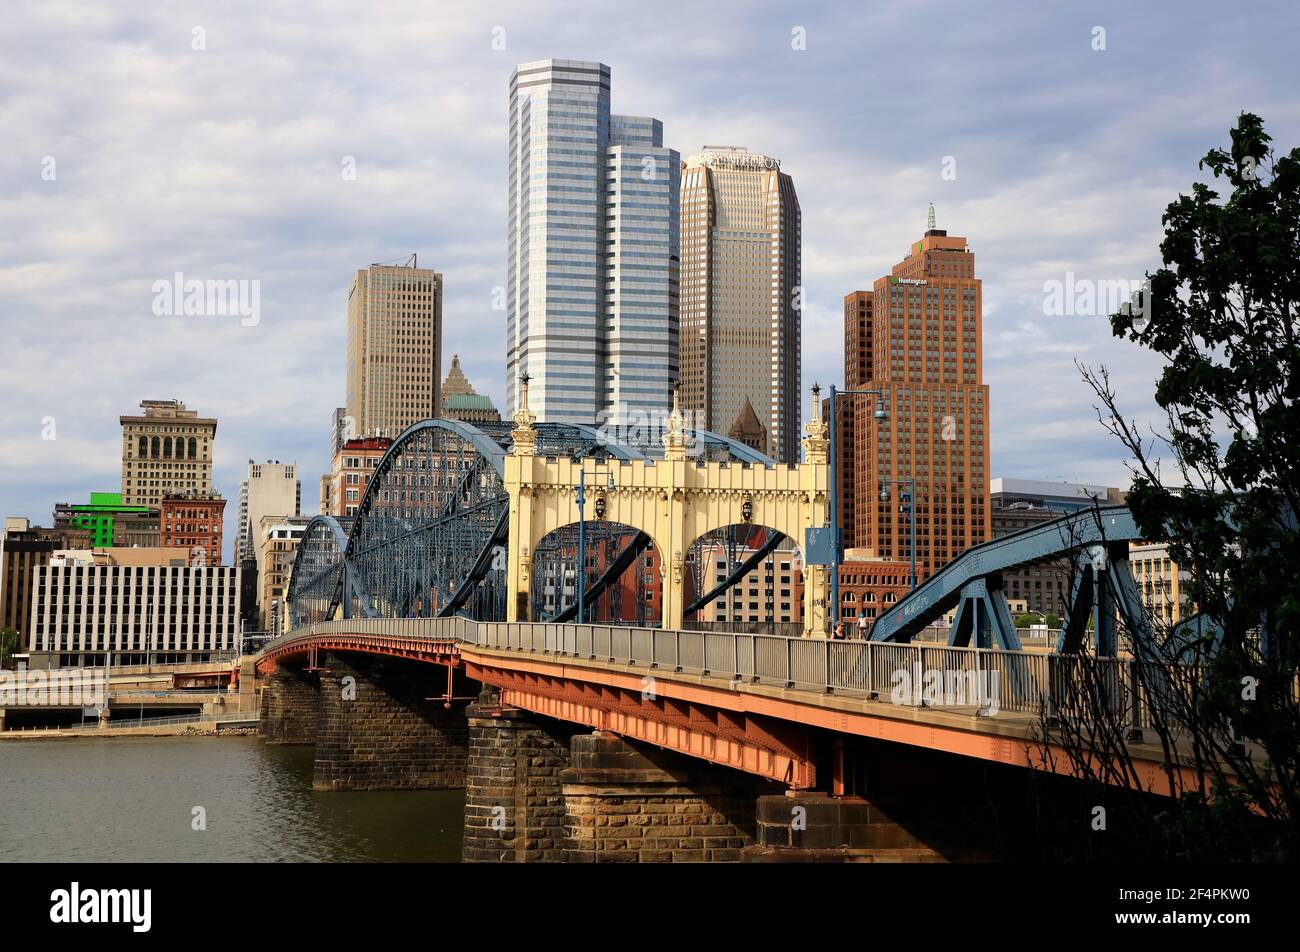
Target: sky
[[219, 140]]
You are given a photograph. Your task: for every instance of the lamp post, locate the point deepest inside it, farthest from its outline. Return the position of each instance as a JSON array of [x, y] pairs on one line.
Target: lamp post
[[910, 496], [581, 574], [881, 415]]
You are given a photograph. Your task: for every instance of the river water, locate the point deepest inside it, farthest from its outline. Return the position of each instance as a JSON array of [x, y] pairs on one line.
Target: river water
[[134, 800]]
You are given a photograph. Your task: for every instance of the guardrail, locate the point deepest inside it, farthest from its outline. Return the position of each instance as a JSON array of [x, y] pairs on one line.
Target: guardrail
[[989, 680]]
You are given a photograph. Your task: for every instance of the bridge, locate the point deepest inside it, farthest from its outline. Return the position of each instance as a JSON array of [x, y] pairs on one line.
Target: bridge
[[437, 642]]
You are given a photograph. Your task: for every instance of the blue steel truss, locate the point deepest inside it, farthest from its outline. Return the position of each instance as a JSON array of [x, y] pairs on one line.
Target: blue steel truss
[[1101, 586], [430, 534]]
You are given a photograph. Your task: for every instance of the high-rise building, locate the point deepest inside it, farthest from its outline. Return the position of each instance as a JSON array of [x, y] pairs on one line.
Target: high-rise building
[[593, 250], [394, 348], [740, 277], [270, 489], [166, 449], [924, 335], [193, 520]]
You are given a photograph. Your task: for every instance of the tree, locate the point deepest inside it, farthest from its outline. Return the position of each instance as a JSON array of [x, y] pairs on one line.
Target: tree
[[1222, 314], [8, 645]]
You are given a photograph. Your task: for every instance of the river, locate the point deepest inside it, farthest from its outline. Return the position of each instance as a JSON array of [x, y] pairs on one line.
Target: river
[[135, 800]]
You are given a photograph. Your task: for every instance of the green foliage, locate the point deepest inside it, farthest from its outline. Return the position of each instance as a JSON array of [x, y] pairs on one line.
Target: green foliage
[[8, 645], [1223, 314]]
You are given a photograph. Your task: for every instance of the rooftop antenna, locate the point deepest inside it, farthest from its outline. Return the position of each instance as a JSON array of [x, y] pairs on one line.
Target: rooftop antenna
[[929, 222]]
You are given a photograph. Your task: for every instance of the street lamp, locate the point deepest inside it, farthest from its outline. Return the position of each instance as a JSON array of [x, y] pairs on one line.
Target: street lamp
[[581, 574], [907, 496], [881, 414]]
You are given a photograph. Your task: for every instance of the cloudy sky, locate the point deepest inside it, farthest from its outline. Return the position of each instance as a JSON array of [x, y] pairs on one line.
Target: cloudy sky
[[145, 138]]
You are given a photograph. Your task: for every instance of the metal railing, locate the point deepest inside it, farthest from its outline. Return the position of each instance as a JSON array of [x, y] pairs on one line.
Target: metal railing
[[918, 674]]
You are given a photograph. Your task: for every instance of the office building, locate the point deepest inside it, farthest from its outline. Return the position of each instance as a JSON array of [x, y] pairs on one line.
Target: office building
[[136, 605], [740, 287], [166, 449], [354, 464], [925, 338], [592, 250], [277, 546], [270, 489], [1060, 497], [24, 548], [394, 349]]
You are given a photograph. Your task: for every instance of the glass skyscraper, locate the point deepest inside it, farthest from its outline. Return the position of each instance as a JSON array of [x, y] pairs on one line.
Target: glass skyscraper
[[593, 255]]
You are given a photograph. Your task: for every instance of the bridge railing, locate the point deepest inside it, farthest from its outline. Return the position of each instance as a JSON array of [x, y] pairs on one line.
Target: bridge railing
[[912, 674]]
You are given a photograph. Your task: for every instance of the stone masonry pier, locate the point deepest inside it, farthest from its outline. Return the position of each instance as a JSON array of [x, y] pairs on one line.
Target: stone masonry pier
[[383, 727]]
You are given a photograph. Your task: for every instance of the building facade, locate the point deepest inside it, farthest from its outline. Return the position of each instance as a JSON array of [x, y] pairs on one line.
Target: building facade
[[592, 250], [1161, 584], [925, 337], [740, 281], [279, 538], [193, 521], [461, 402], [106, 521], [1059, 497], [1044, 588], [166, 449], [354, 464], [868, 587], [394, 348], [139, 606], [270, 489], [23, 550]]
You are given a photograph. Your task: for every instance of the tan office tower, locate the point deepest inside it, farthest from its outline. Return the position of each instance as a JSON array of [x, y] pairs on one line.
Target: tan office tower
[[166, 450], [924, 332], [394, 347], [740, 274]]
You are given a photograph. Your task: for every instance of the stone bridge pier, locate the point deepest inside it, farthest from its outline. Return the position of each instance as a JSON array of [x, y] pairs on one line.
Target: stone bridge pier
[[539, 790], [377, 723], [290, 706]]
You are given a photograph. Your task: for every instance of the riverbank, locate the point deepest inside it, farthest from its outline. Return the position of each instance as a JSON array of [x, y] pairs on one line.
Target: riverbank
[[138, 730]]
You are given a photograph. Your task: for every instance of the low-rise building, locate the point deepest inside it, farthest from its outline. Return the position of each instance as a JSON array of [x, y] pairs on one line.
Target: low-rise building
[[193, 521], [131, 606]]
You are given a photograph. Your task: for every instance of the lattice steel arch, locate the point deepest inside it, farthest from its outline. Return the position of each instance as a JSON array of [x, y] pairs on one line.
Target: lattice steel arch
[[430, 531], [317, 569]]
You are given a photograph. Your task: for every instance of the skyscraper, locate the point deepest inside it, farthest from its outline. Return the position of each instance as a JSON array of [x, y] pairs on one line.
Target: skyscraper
[[166, 449], [394, 347], [593, 257], [923, 328], [740, 327]]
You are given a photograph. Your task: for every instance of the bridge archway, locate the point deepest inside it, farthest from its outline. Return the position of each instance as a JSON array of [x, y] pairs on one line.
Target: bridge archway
[[743, 574], [674, 500], [623, 575]]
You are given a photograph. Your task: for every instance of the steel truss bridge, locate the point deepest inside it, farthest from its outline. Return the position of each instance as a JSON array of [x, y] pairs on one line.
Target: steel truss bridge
[[430, 537]]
